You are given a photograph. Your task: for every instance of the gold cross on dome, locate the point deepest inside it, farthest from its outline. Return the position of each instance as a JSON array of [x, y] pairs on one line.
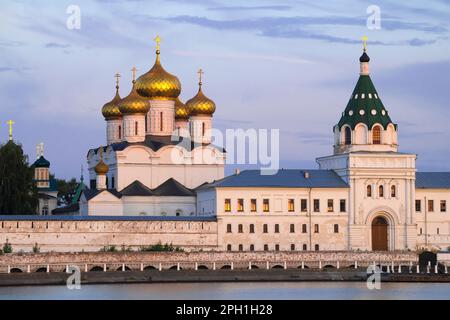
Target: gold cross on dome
[[117, 76], [200, 73], [158, 42], [10, 123], [134, 70], [364, 39]]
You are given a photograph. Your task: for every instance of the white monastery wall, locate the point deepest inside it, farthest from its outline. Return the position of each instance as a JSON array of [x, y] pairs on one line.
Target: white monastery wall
[[72, 236]]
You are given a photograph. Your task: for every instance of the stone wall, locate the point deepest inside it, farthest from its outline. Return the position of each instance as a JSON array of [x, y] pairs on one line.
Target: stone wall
[[87, 235], [191, 260]]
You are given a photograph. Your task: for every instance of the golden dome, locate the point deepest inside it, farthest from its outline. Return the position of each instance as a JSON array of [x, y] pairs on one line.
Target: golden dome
[[101, 167], [111, 109], [201, 104], [181, 110], [133, 103], [158, 84]]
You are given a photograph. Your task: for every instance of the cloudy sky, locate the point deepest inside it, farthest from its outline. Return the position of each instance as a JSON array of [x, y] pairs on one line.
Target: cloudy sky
[[268, 64]]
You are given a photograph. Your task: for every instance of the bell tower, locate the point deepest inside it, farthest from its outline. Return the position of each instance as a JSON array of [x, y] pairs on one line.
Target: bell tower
[[381, 180], [365, 124]]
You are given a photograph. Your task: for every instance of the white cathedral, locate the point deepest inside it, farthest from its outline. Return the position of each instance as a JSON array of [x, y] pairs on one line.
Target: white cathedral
[[159, 161]]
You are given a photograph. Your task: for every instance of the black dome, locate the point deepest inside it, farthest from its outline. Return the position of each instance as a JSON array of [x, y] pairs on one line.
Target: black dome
[[364, 57]]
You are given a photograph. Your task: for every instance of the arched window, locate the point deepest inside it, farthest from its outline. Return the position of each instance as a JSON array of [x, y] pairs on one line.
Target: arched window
[[146, 125], [348, 136], [376, 135], [120, 132], [393, 192], [161, 121], [203, 128], [135, 128], [381, 191], [369, 190]]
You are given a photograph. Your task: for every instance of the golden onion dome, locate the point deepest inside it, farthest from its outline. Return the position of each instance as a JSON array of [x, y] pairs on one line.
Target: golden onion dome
[[181, 110], [201, 104], [101, 167], [133, 103], [158, 84], [110, 110]]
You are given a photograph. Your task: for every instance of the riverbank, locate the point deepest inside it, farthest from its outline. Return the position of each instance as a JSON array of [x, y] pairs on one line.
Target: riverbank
[[186, 276]]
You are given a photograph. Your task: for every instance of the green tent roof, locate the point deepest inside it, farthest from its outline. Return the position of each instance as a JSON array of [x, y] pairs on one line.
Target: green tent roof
[[365, 106], [80, 188]]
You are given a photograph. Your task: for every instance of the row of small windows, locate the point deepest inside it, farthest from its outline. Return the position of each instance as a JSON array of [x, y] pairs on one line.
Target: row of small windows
[[430, 206], [421, 231], [363, 95], [276, 228], [161, 127], [136, 126], [276, 247], [376, 135], [381, 191], [290, 205]]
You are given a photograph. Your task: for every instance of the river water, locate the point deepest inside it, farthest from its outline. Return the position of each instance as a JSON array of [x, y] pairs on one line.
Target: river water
[[240, 291]]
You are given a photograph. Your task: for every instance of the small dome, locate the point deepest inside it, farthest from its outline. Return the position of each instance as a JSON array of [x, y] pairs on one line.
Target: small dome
[[201, 104], [133, 103], [41, 163], [111, 109], [364, 57], [101, 167], [181, 110], [158, 84]]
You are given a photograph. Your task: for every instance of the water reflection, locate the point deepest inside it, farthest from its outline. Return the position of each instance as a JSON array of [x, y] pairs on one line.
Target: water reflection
[[242, 291]]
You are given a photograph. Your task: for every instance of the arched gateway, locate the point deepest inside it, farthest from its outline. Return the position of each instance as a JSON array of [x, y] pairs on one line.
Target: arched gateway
[[379, 234]]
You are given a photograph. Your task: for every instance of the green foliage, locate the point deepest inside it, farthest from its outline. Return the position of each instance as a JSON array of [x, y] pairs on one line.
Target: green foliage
[[36, 248], [109, 249], [161, 247], [18, 192], [7, 248], [66, 190], [124, 248]]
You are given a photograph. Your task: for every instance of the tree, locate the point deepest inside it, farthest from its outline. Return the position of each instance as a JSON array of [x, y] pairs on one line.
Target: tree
[[66, 190], [18, 192]]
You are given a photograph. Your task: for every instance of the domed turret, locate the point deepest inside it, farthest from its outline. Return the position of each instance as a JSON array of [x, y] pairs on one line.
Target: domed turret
[[134, 109], [181, 110], [101, 168], [201, 104], [133, 103], [111, 109], [201, 109], [157, 83]]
